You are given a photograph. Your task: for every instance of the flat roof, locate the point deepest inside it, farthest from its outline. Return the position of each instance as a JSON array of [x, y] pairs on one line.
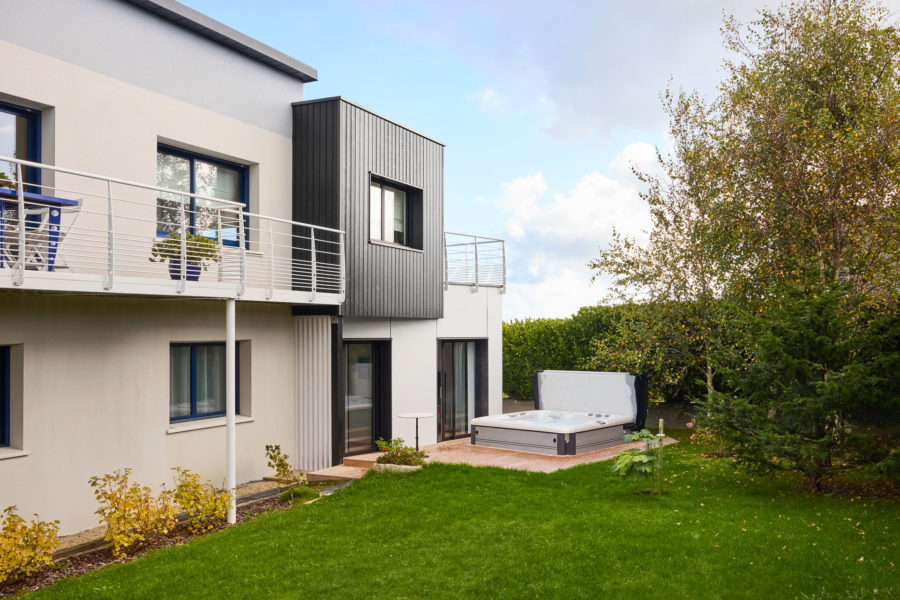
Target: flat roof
[[371, 112], [200, 24]]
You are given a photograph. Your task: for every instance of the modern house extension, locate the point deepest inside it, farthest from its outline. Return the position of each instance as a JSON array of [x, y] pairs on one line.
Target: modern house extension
[[195, 262]]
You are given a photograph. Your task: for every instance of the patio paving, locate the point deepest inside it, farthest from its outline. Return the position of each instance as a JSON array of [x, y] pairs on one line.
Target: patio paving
[[463, 452]]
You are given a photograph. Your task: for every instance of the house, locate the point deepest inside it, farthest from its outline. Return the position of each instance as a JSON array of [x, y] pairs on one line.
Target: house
[[315, 301]]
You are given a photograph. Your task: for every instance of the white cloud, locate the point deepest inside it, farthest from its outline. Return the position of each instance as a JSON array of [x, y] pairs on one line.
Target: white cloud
[[551, 240], [487, 99]]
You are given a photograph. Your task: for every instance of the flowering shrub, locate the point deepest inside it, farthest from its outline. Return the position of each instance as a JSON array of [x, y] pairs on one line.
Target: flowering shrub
[[132, 514], [204, 504], [280, 461], [395, 453], [25, 548]]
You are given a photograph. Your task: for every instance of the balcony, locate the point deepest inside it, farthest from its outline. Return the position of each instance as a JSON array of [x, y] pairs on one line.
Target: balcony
[[474, 260], [80, 232]]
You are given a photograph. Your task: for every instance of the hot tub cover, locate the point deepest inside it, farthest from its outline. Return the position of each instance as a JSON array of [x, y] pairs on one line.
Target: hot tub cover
[[592, 392]]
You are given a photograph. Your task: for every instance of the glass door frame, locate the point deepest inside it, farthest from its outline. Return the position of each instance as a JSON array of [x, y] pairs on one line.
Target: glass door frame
[[381, 392]]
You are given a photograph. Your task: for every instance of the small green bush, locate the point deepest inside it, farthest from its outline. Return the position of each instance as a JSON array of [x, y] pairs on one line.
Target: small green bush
[[281, 463], [395, 453], [131, 513], [25, 548], [204, 504]]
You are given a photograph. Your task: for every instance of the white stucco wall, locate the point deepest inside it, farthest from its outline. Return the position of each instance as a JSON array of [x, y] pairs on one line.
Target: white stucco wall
[[95, 370], [129, 44], [414, 348], [96, 396], [94, 123]]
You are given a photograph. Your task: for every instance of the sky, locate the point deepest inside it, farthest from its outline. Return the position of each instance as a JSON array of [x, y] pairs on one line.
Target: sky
[[543, 107]]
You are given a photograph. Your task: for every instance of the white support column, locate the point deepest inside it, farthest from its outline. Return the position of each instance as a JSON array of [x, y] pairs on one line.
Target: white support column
[[230, 454]]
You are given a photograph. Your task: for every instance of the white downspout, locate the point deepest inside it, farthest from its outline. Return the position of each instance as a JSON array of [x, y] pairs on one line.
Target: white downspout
[[230, 470]]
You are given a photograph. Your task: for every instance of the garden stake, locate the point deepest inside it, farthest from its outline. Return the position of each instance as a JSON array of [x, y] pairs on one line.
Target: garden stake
[[659, 469]]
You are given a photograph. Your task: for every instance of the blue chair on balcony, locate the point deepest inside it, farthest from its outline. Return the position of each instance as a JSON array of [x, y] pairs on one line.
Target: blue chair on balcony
[[44, 231]]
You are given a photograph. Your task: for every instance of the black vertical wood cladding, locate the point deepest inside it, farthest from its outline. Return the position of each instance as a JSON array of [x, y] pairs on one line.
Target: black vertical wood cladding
[[337, 145]]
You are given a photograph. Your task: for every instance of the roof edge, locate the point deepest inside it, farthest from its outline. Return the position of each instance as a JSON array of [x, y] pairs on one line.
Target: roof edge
[[371, 112], [197, 22]]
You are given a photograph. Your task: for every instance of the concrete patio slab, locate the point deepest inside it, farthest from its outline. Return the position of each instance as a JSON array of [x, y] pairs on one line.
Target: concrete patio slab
[[463, 452]]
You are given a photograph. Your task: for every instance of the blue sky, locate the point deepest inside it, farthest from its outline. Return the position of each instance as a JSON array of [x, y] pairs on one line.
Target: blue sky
[[542, 106]]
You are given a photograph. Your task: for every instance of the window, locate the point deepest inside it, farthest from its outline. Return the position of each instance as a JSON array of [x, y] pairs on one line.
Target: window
[[197, 380], [193, 173], [20, 135], [395, 215], [4, 396]]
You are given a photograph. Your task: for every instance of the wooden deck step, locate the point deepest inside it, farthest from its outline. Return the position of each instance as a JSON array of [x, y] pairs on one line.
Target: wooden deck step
[[342, 472], [362, 460]]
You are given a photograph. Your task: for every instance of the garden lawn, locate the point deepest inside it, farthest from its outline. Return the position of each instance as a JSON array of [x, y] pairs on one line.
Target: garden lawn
[[462, 532]]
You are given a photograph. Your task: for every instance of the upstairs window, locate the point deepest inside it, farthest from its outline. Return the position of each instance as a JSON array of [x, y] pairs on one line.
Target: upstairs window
[[395, 214], [20, 135], [184, 171]]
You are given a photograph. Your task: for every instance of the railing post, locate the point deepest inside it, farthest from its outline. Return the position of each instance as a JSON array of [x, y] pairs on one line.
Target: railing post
[[242, 241], [220, 274], [503, 253], [446, 272], [110, 239], [314, 273], [475, 289], [19, 277], [181, 280], [271, 263], [341, 260]]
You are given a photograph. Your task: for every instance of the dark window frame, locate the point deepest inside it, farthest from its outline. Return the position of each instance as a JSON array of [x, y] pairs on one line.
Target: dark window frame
[[237, 381], [4, 396], [33, 117], [243, 186], [414, 217]]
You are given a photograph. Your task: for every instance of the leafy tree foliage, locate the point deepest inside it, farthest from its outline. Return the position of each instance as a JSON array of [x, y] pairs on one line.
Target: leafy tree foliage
[[819, 374], [790, 175]]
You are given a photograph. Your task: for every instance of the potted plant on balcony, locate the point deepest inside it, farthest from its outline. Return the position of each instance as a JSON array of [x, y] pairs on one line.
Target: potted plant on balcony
[[199, 253]]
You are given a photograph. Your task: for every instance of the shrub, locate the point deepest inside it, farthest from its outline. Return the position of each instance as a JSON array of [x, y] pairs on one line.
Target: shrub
[[644, 462], [132, 514], [204, 504], [25, 548], [395, 453], [300, 492], [280, 461], [821, 367]]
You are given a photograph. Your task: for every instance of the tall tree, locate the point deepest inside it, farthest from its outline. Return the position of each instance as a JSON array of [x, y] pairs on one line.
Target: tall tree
[[790, 173]]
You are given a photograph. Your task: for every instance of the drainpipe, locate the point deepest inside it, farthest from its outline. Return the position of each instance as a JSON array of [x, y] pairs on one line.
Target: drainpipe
[[230, 471]]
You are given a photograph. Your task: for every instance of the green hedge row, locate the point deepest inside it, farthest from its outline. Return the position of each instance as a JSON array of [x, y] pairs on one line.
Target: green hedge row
[[533, 344]]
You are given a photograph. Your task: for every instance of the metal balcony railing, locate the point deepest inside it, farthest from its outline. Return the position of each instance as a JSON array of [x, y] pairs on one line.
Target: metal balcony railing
[[81, 232], [474, 260]]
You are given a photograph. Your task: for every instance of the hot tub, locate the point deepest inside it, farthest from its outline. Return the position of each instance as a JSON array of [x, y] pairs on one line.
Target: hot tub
[[576, 412], [550, 431]]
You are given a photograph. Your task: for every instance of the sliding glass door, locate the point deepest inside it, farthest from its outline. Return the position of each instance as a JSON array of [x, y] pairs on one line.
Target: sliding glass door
[[367, 401], [457, 389]]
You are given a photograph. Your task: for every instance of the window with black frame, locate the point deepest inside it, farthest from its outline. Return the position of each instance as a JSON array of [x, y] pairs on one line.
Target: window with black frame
[[20, 138], [193, 173], [395, 214]]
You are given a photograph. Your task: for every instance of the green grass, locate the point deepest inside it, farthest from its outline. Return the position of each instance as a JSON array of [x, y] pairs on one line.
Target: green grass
[[461, 532]]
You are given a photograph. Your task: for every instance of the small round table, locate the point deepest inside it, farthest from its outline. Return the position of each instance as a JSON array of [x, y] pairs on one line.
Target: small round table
[[416, 416]]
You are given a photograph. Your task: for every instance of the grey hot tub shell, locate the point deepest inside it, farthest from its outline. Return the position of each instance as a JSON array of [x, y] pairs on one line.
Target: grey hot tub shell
[[604, 403]]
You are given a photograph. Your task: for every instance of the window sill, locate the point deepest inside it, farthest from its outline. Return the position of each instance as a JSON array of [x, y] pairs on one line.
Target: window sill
[[205, 424], [13, 453], [397, 246]]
